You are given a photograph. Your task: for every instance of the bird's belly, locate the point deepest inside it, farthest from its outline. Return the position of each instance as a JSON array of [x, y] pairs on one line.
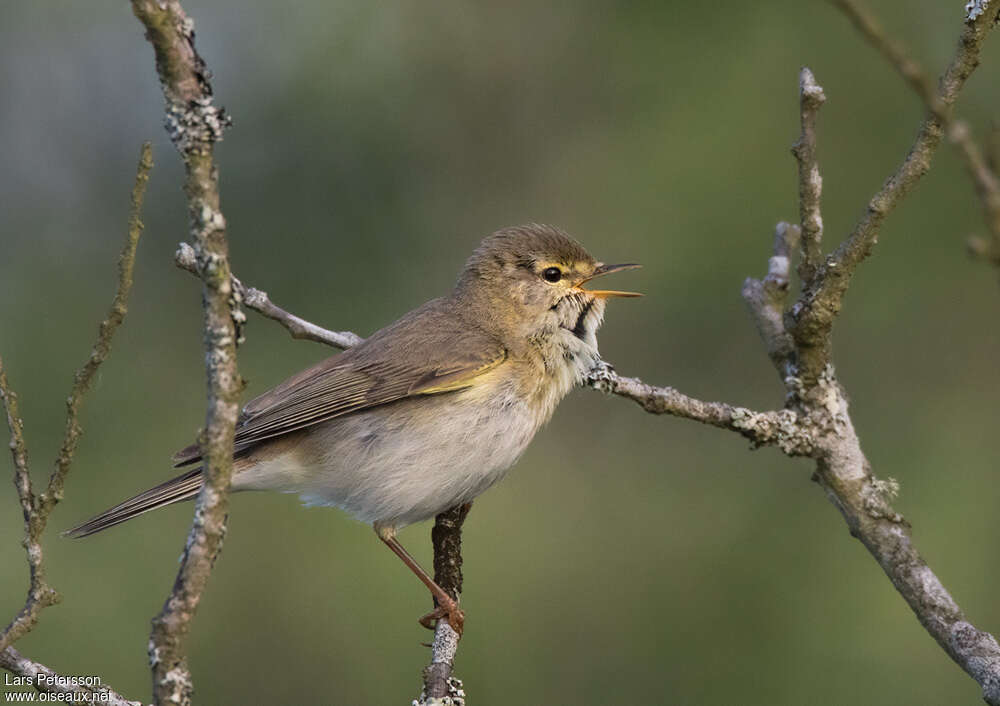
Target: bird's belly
[[404, 462]]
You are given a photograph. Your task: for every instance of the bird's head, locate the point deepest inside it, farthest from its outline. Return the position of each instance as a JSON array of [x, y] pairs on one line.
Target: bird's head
[[528, 282]]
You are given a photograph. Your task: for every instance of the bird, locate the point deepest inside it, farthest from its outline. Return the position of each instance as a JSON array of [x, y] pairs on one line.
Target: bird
[[430, 411]]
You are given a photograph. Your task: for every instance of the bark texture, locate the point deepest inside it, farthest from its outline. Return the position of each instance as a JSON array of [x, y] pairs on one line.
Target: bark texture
[[195, 125]]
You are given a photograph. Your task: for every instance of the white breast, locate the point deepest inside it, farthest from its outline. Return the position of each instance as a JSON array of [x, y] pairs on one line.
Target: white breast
[[407, 461]]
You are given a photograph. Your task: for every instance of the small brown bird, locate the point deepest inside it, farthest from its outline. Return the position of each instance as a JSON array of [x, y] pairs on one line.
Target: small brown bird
[[428, 412]]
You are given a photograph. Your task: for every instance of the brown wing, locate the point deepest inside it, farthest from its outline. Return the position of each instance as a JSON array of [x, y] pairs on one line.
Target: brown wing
[[428, 351]]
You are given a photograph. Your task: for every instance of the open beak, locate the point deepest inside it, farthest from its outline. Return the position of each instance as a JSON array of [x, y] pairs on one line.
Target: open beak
[[605, 270]]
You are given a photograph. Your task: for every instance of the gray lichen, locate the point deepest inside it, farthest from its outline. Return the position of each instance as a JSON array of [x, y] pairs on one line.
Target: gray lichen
[[975, 8]]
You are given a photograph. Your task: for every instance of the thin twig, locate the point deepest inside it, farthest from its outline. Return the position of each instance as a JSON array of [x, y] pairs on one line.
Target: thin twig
[[40, 594], [822, 299], [911, 71], [48, 681], [119, 306], [258, 301], [982, 169], [37, 508], [811, 99], [194, 125], [987, 187]]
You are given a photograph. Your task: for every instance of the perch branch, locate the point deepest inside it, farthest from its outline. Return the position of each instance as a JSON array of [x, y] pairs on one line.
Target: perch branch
[[50, 682], [440, 687], [36, 509], [194, 125]]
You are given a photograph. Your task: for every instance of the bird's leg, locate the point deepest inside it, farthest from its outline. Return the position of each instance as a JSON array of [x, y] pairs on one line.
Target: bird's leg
[[447, 606]]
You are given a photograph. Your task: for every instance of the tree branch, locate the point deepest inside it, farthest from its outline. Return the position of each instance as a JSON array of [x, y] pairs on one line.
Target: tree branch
[[258, 301], [822, 299], [981, 169], [777, 428], [811, 99], [895, 54], [767, 298], [36, 509], [816, 420], [987, 184], [440, 687], [194, 125]]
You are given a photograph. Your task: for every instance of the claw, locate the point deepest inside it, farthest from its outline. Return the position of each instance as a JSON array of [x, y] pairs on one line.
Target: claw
[[454, 614]]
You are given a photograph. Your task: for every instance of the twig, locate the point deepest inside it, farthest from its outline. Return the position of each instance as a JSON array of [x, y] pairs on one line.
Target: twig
[[987, 187], [895, 54], [85, 376], [40, 594], [982, 169], [258, 301], [37, 508], [811, 99], [46, 680], [816, 311], [194, 125], [762, 428], [766, 300]]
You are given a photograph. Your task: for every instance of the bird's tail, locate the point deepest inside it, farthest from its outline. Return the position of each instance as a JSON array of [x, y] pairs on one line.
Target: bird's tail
[[183, 487]]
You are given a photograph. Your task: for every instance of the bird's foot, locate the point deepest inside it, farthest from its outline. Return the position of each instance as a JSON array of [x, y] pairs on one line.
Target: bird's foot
[[449, 610]]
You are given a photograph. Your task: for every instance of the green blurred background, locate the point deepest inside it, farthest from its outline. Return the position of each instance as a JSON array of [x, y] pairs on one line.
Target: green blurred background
[[627, 558]]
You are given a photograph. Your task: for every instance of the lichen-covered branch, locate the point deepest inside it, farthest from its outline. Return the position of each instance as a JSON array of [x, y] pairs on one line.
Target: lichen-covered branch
[[762, 428], [36, 508], [194, 125], [50, 682], [40, 594], [767, 298], [821, 302], [259, 301], [811, 99]]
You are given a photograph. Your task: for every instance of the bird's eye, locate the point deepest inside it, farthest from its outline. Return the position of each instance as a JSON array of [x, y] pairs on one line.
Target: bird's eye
[[552, 274]]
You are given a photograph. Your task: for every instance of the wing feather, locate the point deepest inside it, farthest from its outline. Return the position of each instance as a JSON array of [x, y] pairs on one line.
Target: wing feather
[[428, 351]]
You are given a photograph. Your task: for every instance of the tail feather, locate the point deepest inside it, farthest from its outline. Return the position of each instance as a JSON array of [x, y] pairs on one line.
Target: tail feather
[[183, 487]]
